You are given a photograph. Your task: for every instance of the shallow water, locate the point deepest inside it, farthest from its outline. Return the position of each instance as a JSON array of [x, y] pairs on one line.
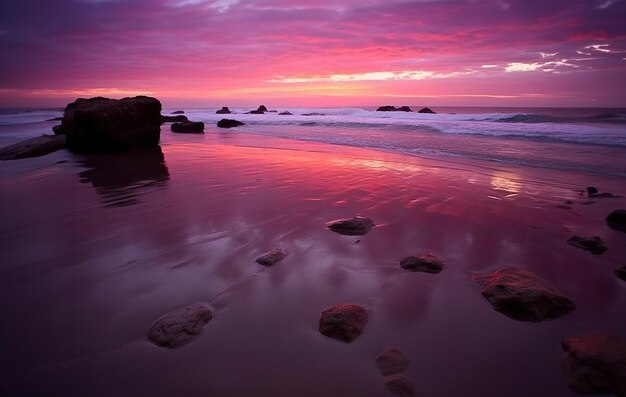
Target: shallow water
[[96, 248]]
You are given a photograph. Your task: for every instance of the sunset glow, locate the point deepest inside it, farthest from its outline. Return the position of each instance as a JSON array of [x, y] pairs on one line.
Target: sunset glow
[[315, 53]]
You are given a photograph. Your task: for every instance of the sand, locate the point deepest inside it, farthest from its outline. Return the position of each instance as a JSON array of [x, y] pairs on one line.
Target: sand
[[96, 249]]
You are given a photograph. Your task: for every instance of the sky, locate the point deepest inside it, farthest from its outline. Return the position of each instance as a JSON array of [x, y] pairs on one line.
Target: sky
[[560, 53]]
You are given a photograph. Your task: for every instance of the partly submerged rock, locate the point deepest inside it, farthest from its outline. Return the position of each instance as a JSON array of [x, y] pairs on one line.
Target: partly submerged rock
[[404, 109], [617, 220], [356, 226], [180, 326], [389, 108], [593, 244], [400, 385], [33, 147], [392, 361], [229, 123], [272, 257], [223, 110], [426, 110], [427, 263], [591, 190], [107, 125], [595, 364], [178, 112], [188, 127], [262, 108], [285, 113], [344, 321], [174, 119], [522, 295], [621, 273]]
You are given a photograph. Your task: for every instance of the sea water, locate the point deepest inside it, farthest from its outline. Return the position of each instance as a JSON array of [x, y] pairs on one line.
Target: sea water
[[586, 140]]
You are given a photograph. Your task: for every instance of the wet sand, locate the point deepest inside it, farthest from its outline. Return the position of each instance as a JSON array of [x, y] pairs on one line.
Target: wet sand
[[96, 248]]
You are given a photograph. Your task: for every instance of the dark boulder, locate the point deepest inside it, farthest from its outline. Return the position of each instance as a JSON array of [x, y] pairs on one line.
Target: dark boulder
[[174, 119], [604, 195], [178, 112], [272, 257], [387, 108], [256, 112], [223, 110], [404, 109], [104, 125], [426, 110], [344, 321], [522, 295], [262, 108], [285, 114], [427, 263], [617, 220], [356, 226], [593, 244], [188, 127], [392, 361], [400, 385], [621, 273], [591, 190], [33, 147], [229, 123], [595, 364], [180, 326]]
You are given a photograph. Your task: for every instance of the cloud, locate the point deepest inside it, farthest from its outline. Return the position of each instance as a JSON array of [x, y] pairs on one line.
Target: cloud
[[369, 76]]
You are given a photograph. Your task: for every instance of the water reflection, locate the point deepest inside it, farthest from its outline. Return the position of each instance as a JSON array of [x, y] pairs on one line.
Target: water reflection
[[121, 178]]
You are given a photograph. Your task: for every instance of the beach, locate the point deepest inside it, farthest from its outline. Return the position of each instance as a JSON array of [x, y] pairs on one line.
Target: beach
[[95, 248]]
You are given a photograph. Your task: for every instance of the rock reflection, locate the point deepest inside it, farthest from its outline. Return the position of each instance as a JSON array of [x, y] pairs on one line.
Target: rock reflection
[[121, 178]]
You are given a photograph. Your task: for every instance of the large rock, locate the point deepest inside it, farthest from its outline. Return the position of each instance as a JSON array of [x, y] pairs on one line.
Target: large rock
[[617, 220], [33, 147], [400, 385], [426, 110], [104, 125], [223, 110], [229, 123], [188, 127], [427, 263], [389, 108], [174, 119], [522, 295], [595, 364], [180, 326], [262, 108], [392, 361], [272, 257], [356, 226], [344, 321], [593, 244]]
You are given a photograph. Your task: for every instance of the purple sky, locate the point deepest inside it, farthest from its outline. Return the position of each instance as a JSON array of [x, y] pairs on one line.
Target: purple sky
[[316, 53]]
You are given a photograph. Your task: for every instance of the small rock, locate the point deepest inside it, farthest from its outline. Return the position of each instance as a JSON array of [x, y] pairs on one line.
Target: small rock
[[621, 273], [404, 109], [428, 263], [229, 123], [272, 257], [400, 385], [223, 110], [178, 112], [593, 244], [392, 361], [262, 108], [595, 364], [174, 119], [356, 226], [591, 190], [256, 112], [522, 295], [426, 110], [180, 326], [387, 108], [33, 147], [617, 220], [188, 127], [604, 195], [285, 114], [344, 321]]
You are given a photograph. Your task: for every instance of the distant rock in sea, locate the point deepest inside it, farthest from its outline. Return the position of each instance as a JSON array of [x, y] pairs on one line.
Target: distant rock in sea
[[229, 123], [427, 263], [426, 110], [33, 147], [188, 127], [262, 108], [180, 326], [344, 321], [389, 108], [285, 114], [595, 363], [593, 244], [356, 226], [174, 119], [223, 110], [272, 257], [178, 112], [522, 295], [108, 125]]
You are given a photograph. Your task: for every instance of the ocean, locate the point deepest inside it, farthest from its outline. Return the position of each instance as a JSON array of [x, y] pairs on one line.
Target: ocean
[[585, 140]]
